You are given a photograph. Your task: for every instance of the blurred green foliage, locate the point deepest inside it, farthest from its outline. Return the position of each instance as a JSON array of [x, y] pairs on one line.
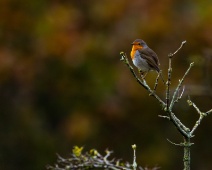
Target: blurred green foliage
[[62, 84]]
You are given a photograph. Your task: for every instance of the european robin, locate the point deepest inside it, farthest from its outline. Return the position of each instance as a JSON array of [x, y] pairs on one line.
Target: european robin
[[144, 58]]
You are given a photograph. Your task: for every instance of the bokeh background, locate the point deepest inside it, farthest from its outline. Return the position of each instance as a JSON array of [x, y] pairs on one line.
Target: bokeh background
[[62, 82]]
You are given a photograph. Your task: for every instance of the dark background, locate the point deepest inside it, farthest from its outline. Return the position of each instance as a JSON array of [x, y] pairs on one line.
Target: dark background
[[62, 82]]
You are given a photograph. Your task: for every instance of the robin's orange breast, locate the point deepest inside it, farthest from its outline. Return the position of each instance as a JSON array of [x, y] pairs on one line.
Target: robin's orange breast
[[134, 49], [132, 54]]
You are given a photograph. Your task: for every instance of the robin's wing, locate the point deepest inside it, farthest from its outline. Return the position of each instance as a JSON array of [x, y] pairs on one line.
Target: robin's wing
[[151, 57]]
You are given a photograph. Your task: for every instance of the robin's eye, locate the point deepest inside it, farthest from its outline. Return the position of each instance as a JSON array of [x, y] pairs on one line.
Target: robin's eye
[[139, 43]]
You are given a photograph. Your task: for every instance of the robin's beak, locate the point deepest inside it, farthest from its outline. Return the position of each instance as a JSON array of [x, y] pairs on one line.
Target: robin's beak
[[132, 43]]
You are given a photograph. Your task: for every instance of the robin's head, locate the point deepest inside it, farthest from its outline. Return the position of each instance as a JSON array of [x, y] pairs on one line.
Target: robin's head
[[139, 44]]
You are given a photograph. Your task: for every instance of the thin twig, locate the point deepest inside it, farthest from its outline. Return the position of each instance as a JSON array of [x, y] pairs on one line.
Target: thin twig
[[168, 84], [208, 112], [177, 144], [180, 95], [134, 157], [182, 44], [179, 85], [165, 117], [195, 106], [161, 75], [156, 82]]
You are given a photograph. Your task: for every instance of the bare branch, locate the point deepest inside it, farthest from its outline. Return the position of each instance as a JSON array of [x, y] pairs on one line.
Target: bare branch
[[208, 112], [181, 93], [195, 106], [168, 83], [165, 117], [177, 144], [182, 44], [181, 127]]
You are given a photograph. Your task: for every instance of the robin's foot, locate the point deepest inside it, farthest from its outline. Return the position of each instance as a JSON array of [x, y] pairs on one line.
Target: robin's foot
[[143, 74]]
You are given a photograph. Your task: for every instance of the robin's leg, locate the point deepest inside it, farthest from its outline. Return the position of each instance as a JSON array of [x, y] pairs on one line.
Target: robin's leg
[[143, 74]]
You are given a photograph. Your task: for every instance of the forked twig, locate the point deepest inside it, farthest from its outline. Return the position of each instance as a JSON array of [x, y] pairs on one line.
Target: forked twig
[[201, 115], [179, 85]]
